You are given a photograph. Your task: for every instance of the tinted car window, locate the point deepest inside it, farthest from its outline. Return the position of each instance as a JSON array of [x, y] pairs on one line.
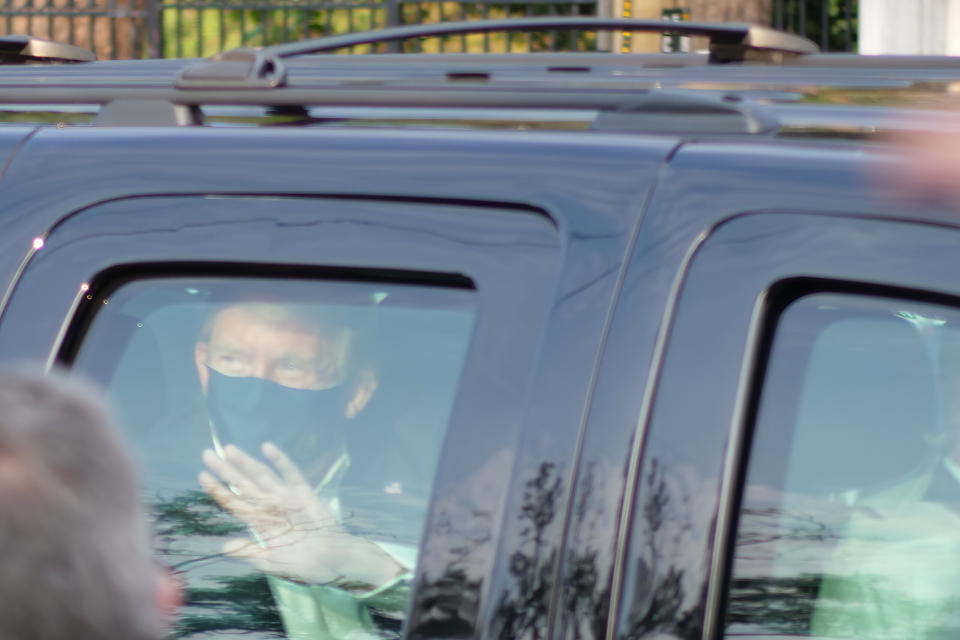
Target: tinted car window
[[850, 520], [289, 432]]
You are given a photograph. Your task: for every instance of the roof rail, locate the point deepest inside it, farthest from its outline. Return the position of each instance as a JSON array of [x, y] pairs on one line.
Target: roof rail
[[249, 68], [24, 49], [671, 111]]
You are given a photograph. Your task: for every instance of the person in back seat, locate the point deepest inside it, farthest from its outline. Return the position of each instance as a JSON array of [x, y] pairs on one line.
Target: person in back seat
[[281, 392]]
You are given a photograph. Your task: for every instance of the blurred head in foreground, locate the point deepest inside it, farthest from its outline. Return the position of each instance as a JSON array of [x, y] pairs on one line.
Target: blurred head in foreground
[[925, 168], [76, 555]]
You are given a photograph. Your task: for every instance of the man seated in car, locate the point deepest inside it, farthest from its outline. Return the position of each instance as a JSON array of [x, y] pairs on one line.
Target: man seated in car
[[282, 394]]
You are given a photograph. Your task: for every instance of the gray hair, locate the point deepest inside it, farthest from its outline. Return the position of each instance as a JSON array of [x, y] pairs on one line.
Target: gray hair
[[76, 556]]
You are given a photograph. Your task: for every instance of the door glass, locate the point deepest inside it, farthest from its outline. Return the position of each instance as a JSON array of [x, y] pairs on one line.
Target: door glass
[[850, 520], [288, 432]]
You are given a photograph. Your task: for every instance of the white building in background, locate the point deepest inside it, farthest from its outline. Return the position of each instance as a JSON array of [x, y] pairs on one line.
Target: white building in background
[[910, 26]]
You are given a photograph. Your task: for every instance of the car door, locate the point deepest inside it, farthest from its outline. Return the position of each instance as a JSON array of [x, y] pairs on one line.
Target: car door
[[124, 292], [441, 309], [671, 421], [797, 474]]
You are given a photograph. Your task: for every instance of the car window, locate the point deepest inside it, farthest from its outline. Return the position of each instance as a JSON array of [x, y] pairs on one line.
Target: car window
[[289, 432], [849, 524]]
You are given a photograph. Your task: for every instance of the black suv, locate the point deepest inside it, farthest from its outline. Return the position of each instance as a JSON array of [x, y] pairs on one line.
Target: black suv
[[572, 346]]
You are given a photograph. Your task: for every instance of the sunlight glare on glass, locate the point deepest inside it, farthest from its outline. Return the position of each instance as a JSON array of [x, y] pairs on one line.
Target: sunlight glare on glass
[[38, 243], [922, 323]]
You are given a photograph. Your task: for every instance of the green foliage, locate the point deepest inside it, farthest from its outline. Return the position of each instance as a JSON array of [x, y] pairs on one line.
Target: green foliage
[[192, 513], [205, 27], [838, 24], [779, 605], [189, 529], [237, 603], [806, 17]]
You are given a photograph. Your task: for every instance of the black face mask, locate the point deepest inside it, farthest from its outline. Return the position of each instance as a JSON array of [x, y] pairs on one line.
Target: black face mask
[[307, 424]]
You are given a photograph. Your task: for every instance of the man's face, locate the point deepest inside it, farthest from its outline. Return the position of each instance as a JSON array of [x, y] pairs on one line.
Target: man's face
[[268, 343]]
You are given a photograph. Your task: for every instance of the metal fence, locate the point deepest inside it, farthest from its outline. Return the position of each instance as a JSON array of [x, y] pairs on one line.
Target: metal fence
[[188, 28], [112, 28], [203, 27]]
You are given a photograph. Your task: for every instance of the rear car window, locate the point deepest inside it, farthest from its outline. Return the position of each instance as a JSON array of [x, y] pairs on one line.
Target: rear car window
[[289, 431], [850, 521]]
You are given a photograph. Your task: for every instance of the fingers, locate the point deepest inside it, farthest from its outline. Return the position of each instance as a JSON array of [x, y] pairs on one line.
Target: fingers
[[264, 520], [224, 497], [253, 469], [271, 502], [240, 472], [230, 475], [288, 469]]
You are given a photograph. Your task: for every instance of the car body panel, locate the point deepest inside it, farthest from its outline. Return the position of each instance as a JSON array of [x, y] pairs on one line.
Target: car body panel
[[704, 185], [732, 280], [110, 221], [96, 165]]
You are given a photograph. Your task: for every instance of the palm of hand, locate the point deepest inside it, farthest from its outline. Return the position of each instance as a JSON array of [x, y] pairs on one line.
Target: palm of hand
[[295, 535]]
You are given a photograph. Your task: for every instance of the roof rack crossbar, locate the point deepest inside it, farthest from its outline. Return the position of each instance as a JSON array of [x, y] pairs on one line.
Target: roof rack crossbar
[[651, 110], [728, 43]]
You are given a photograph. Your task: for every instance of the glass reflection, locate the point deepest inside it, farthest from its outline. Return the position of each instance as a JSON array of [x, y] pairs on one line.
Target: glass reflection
[[850, 524], [289, 459]]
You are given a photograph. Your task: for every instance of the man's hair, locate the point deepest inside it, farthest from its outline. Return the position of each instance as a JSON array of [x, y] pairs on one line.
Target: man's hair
[[76, 556]]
